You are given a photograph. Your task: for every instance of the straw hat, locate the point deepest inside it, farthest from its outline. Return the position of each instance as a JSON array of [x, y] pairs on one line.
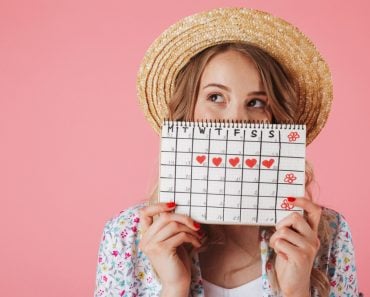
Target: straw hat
[[283, 41]]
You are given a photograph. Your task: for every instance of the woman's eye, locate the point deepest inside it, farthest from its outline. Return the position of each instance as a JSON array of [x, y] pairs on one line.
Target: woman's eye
[[256, 103], [216, 98]]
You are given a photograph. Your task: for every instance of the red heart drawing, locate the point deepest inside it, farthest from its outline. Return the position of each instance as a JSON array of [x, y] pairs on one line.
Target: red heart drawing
[[250, 162], [234, 161], [201, 159], [217, 161], [268, 163]]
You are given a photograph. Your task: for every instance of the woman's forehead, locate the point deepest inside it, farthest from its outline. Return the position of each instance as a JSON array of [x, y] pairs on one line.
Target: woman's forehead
[[230, 68]]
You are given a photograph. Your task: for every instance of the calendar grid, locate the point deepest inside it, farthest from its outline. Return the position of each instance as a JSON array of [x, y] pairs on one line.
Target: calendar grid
[[232, 175]]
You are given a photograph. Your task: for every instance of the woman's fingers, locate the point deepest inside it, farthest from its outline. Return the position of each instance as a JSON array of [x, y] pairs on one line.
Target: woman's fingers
[[312, 213], [297, 222], [307, 245], [289, 235], [312, 210], [288, 251], [147, 213], [174, 221], [299, 231], [167, 240], [169, 229], [165, 235], [180, 238]]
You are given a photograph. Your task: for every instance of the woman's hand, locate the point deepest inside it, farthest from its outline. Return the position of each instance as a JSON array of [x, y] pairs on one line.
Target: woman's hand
[[163, 242], [296, 244]]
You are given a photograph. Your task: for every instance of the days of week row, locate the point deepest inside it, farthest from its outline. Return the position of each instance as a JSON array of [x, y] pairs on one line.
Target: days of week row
[[240, 134]]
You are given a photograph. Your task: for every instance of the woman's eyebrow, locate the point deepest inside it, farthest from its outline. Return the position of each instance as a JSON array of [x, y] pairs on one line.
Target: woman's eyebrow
[[255, 93], [217, 85], [258, 93]]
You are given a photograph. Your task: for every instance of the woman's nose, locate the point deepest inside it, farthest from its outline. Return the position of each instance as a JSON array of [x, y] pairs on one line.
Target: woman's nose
[[236, 112]]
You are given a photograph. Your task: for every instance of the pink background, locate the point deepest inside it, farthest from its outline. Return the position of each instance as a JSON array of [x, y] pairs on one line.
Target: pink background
[[70, 158]]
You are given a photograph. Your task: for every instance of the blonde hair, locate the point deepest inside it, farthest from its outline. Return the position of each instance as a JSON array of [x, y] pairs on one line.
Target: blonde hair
[[282, 92]]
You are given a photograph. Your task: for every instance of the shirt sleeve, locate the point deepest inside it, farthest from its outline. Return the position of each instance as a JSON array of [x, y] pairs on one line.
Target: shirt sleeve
[[115, 267], [342, 265]]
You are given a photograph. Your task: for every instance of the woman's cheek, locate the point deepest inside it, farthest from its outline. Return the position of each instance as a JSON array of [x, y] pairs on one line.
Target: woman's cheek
[[261, 115], [204, 112]]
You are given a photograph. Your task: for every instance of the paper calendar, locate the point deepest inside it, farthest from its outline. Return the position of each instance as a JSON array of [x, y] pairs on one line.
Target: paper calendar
[[232, 173]]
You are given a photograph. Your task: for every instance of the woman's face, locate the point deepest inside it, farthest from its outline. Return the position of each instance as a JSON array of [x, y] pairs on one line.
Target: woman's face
[[231, 88]]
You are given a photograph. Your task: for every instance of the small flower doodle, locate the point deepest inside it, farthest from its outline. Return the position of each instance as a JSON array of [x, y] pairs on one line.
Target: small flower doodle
[[285, 204], [290, 178], [293, 136]]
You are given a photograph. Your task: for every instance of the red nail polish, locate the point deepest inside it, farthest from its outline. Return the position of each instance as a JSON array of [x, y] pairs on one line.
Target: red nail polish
[[171, 204], [196, 225], [291, 199]]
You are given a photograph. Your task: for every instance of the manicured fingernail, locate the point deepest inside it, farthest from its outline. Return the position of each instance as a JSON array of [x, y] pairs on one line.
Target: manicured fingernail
[[171, 204], [291, 199], [196, 225]]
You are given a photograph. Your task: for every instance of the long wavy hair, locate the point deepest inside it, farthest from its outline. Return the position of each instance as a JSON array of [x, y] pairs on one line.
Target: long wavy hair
[[282, 93]]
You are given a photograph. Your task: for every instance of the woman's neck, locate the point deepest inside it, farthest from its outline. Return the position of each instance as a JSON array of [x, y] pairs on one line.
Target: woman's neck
[[234, 260]]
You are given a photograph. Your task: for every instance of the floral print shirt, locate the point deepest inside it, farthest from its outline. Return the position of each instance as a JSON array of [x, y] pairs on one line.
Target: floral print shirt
[[124, 270]]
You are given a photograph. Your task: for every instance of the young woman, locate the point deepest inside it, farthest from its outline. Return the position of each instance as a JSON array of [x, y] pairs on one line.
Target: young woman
[[148, 250]]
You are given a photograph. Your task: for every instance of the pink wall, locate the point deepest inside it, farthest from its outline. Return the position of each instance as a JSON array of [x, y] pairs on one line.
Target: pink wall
[[70, 158]]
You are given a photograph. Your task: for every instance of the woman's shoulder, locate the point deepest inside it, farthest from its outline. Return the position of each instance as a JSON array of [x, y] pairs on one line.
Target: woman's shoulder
[[336, 256], [336, 232], [123, 230], [335, 221], [125, 219], [122, 268]]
